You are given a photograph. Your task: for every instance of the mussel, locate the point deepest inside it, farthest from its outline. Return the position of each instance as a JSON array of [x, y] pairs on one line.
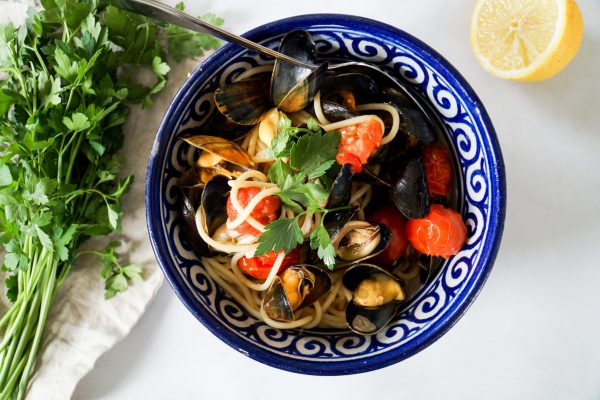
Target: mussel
[[219, 156], [290, 87], [376, 296], [188, 199], [341, 188], [415, 123], [409, 188], [349, 89], [335, 112], [293, 86], [296, 287], [358, 241], [213, 203], [244, 102], [210, 199]]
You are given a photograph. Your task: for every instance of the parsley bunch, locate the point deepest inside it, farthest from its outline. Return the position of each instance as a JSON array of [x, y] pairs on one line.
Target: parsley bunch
[[303, 158], [66, 78]]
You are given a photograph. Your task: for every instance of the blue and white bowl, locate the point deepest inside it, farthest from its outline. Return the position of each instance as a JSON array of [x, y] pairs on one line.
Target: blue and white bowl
[[437, 306]]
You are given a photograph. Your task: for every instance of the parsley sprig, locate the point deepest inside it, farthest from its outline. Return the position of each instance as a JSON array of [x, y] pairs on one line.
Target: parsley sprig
[[303, 155], [67, 77]]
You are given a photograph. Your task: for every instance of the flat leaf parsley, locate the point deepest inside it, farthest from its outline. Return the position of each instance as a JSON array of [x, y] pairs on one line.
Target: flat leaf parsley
[[311, 153], [67, 77]]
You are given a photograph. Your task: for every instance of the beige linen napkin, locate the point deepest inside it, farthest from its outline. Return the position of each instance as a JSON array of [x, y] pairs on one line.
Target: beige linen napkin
[[82, 325]]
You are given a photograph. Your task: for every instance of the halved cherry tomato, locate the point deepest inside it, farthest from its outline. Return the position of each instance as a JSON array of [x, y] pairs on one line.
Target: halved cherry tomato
[[396, 223], [438, 169], [441, 233], [259, 267], [266, 211], [359, 140]]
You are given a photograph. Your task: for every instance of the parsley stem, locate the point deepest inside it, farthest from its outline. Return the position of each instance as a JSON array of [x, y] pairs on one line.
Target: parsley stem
[[39, 57], [25, 336], [74, 153], [5, 394], [49, 290], [6, 317]]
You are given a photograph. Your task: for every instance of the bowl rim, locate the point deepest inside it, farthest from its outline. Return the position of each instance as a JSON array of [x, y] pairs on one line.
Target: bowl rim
[[497, 195]]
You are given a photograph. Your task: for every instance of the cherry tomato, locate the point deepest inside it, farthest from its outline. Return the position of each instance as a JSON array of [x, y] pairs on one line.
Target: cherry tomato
[[259, 267], [349, 158], [266, 211], [441, 233], [396, 223], [360, 140], [438, 169]]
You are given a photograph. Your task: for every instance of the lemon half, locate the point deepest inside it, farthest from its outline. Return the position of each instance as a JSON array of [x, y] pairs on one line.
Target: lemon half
[[526, 40]]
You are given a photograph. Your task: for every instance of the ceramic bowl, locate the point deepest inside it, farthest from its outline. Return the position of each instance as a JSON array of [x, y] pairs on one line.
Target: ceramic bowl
[[431, 311]]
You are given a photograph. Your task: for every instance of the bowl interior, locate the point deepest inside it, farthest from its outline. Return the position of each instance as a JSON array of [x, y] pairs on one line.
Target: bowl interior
[[429, 313]]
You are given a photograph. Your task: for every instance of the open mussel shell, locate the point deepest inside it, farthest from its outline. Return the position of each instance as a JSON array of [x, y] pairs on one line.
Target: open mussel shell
[[213, 203], [312, 283], [219, 124], [409, 189], [341, 188], [363, 88], [376, 238], [293, 86], [188, 201], [368, 320], [190, 192], [244, 102], [334, 221], [223, 148]]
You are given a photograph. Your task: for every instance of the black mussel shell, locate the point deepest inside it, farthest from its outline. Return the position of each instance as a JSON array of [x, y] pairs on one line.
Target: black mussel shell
[[409, 189], [386, 236], [417, 126], [364, 88], [415, 122], [245, 101], [397, 148], [341, 188], [321, 285], [226, 149], [293, 86], [336, 112], [367, 320], [189, 192], [217, 124], [335, 220], [398, 97], [214, 203], [276, 303]]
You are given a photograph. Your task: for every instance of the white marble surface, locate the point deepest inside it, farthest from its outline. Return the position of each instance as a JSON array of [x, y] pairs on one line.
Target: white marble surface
[[533, 331]]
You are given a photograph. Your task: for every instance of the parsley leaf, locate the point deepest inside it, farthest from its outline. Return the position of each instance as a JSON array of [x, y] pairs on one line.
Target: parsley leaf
[[278, 172], [69, 75], [116, 277], [281, 234], [320, 240], [187, 44], [314, 153]]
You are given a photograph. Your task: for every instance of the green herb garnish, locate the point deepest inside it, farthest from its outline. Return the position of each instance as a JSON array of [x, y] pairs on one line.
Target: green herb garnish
[[66, 77], [311, 153]]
